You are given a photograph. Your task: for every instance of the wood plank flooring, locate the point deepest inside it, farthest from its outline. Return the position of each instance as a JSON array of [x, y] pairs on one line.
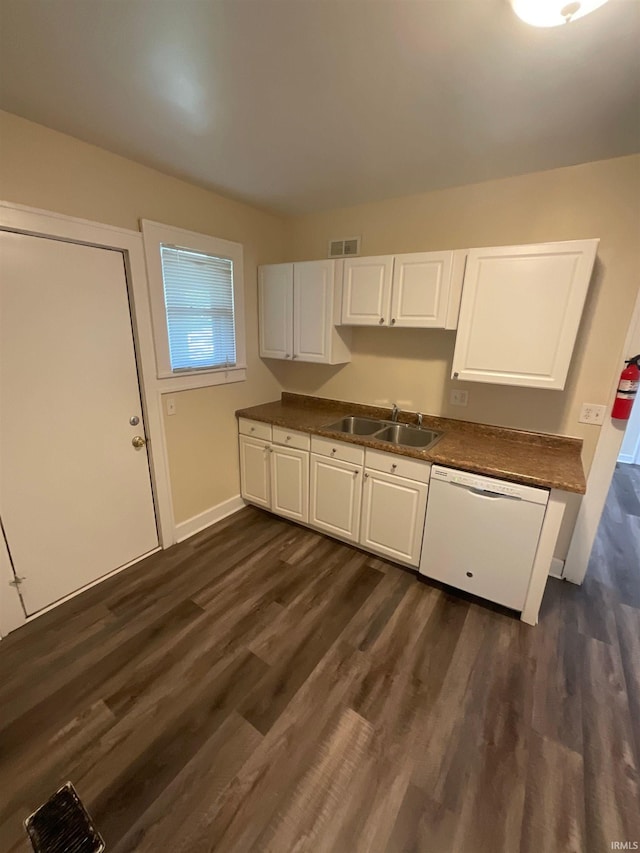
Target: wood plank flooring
[[262, 688]]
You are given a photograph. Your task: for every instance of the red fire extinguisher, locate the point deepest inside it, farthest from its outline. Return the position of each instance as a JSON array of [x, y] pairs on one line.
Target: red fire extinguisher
[[627, 389]]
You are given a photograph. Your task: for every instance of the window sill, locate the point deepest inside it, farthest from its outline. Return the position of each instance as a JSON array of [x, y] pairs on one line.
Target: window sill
[[201, 379]]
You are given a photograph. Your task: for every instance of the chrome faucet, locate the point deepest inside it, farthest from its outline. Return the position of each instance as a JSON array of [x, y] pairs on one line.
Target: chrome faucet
[[394, 413], [419, 416]]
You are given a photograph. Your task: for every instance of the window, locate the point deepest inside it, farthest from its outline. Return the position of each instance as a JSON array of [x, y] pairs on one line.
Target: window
[[196, 301]]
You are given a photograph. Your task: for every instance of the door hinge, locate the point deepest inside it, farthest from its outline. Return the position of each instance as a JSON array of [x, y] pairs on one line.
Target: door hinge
[[18, 580]]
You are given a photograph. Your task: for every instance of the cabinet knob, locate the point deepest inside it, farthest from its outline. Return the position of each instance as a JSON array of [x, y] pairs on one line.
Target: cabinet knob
[[288, 438], [357, 471], [287, 355], [294, 355], [393, 321], [394, 466], [469, 574], [333, 450], [366, 476], [455, 375], [381, 321]]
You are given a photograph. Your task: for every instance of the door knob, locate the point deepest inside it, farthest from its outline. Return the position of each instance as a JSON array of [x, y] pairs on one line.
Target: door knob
[[138, 441]]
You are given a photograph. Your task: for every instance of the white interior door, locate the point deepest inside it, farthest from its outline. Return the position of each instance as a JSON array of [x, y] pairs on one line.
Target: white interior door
[[75, 494]]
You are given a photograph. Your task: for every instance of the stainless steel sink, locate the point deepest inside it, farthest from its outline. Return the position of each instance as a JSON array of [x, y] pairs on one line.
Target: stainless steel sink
[[408, 436], [356, 426], [402, 435]]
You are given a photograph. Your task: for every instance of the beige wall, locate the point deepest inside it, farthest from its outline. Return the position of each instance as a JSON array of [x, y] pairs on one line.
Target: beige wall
[[45, 169], [413, 366]]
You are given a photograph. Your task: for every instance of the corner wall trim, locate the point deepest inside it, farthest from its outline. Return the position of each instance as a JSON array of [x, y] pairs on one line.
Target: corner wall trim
[[210, 516], [557, 568]]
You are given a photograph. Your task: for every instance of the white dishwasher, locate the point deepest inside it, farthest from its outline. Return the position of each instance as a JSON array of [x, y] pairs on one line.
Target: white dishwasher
[[481, 534]]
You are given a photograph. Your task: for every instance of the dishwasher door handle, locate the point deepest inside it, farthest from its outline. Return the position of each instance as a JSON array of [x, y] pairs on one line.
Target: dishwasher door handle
[[487, 493]]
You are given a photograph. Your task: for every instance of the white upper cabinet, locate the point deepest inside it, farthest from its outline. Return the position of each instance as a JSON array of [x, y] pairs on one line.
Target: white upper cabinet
[[275, 293], [366, 292], [299, 308], [420, 290], [520, 313]]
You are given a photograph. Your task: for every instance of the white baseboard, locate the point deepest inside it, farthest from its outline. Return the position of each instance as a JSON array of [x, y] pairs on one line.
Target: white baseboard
[[626, 458], [210, 516], [557, 568]]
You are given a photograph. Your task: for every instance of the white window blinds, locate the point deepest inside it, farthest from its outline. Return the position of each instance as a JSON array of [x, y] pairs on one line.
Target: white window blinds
[[198, 296]]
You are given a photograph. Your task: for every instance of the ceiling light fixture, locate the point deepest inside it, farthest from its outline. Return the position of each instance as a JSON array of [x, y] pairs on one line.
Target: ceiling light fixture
[[553, 13]]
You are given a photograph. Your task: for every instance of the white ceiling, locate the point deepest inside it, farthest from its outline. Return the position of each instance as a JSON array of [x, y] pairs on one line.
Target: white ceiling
[[301, 105]]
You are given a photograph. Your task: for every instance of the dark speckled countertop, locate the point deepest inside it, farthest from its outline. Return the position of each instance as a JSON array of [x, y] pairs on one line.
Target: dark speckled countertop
[[533, 458]]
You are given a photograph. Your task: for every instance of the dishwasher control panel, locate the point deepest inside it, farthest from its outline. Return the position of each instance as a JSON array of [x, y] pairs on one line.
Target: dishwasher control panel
[[489, 485]]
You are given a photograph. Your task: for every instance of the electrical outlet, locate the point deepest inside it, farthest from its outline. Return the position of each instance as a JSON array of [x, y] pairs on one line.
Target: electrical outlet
[[459, 398], [592, 413], [171, 405]]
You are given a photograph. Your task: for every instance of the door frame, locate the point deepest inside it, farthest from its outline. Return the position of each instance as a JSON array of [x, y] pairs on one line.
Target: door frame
[[602, 468], [57, 226]]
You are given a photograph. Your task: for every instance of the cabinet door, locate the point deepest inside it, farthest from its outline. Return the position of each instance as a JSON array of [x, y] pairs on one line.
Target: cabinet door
[[520, 312], [366, 291], [313, 310], [336, 496], [254, 471], [290, 483], [393, 511], [420, 294], [275, 300]]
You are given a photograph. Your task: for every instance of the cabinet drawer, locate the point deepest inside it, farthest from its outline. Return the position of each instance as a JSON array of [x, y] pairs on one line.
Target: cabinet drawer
[[256, 429], [291, 438], [337, 450], [391, 463]]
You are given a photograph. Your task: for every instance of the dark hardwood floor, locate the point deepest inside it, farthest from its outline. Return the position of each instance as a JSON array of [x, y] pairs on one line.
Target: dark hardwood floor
[[262, 688]]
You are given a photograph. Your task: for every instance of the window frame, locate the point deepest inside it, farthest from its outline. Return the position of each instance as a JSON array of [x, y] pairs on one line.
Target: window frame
[[155, 234]]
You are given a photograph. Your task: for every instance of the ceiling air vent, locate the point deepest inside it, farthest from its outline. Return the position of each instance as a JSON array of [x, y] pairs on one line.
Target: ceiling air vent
[[346, 248]]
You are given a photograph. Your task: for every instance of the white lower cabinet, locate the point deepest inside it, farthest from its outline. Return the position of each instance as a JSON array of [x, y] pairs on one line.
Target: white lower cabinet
[[255, 477], [336, 497], [393, 512], [275, 476], [331, 489], [290, 482]]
